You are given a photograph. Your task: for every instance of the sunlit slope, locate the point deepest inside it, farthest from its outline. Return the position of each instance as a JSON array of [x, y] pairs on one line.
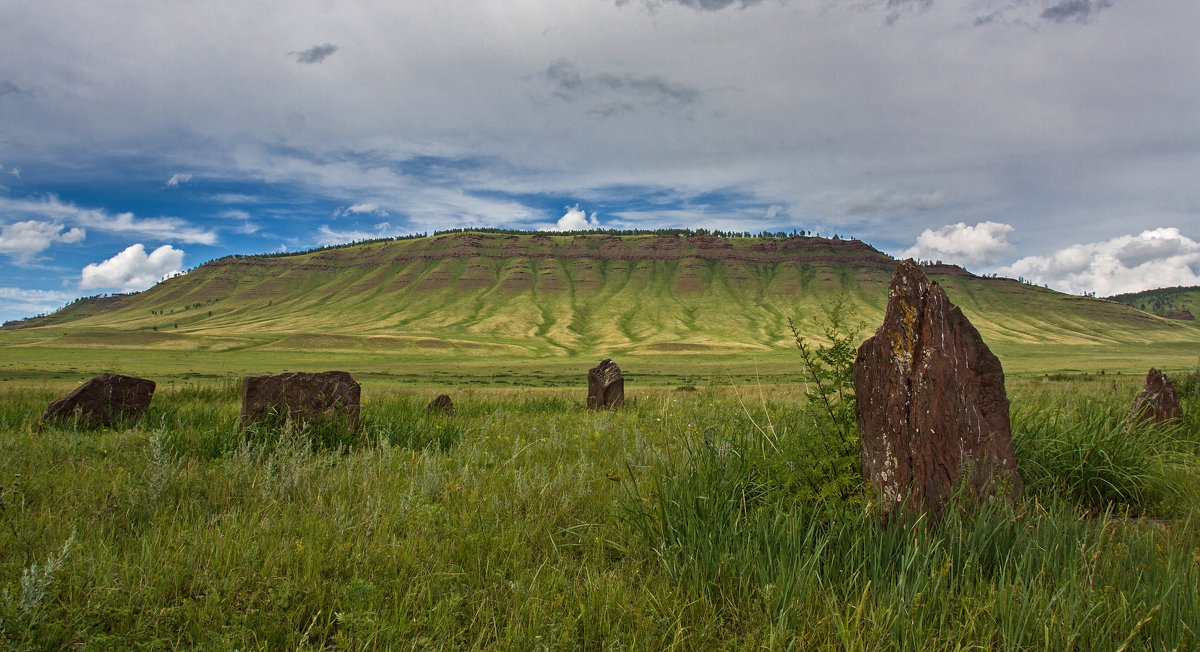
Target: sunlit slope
[[542, 294]]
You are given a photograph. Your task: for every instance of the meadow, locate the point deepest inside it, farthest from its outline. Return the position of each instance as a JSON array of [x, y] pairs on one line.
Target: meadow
[[713, 513]]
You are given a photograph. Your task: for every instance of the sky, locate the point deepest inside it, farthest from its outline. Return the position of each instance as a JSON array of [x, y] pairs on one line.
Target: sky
[[1052, 140]]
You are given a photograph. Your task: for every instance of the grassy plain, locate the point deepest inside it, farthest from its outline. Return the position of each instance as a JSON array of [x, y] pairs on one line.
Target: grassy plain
[[681, 521], [697, 516]]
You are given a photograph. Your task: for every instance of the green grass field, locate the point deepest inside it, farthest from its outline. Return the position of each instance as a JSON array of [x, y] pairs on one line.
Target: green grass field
[[712, 511], [683, 520]]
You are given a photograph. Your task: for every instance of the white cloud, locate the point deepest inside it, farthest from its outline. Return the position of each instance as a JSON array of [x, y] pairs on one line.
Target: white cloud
[[365, 208], [133, 269], [162, 228], [24, 240], [178, 179], [958, 243], [19, 302], [1161, 257], [576, 219]]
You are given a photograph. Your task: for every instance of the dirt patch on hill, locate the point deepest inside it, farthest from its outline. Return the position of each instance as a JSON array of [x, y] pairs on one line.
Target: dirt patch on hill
[[433, 344], [677, 346], [142, 340]]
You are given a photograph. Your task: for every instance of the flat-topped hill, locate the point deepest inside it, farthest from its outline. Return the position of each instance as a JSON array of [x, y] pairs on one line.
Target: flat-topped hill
[[538, 294]]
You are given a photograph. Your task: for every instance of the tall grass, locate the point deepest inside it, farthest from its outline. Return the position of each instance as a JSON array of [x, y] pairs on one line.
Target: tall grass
[[1078, 447], [1064, 569], [684, 520]]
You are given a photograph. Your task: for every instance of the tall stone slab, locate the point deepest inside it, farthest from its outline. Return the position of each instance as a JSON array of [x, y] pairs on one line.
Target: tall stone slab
[[301, 396], [931, 404], [103, 400], [606, 386], [1156, 403]]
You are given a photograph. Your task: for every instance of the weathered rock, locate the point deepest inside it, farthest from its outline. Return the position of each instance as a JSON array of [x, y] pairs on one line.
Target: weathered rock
[[1156, 403], [103, 400], [440, 405], [301, 396], [1185, 315], [606, 386], [931, 404]]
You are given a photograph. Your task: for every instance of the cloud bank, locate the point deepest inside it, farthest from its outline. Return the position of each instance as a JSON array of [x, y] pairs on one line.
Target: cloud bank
[[51, 211], [132, 269], [1153, 258]]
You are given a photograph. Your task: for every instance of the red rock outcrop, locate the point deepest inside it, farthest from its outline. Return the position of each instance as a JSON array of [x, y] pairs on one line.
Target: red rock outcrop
[[931, 404], [606, 386], [301, 396], [1156, 403], [103, 400]]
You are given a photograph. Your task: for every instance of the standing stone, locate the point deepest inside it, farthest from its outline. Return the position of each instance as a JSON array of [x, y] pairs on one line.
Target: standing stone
[[301, 396], [606, 386], [103, 400], [440, 405], [1157, 402], [931, 403]]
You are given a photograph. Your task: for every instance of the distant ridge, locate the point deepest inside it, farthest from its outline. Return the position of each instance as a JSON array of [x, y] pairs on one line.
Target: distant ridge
[[1172, 303]]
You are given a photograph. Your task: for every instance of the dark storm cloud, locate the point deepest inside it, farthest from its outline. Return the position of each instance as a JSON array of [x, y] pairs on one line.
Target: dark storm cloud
[[617, 93], [315, 54], [1077, 10]]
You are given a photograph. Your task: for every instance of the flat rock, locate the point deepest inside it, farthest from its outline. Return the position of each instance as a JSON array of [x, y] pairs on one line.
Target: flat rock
[[103, 400], [1156, 403], [931, 403], [301, 396], [606, 386]]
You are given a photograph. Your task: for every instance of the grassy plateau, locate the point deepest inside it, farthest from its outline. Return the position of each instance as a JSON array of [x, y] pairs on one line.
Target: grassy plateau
[[718, 508]]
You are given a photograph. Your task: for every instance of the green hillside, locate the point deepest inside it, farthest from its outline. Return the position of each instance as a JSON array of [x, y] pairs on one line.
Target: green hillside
[[1174, 302], [471, 297]]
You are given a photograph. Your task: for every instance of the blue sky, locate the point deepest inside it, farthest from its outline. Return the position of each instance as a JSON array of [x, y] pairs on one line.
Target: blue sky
[[1057, 140]]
